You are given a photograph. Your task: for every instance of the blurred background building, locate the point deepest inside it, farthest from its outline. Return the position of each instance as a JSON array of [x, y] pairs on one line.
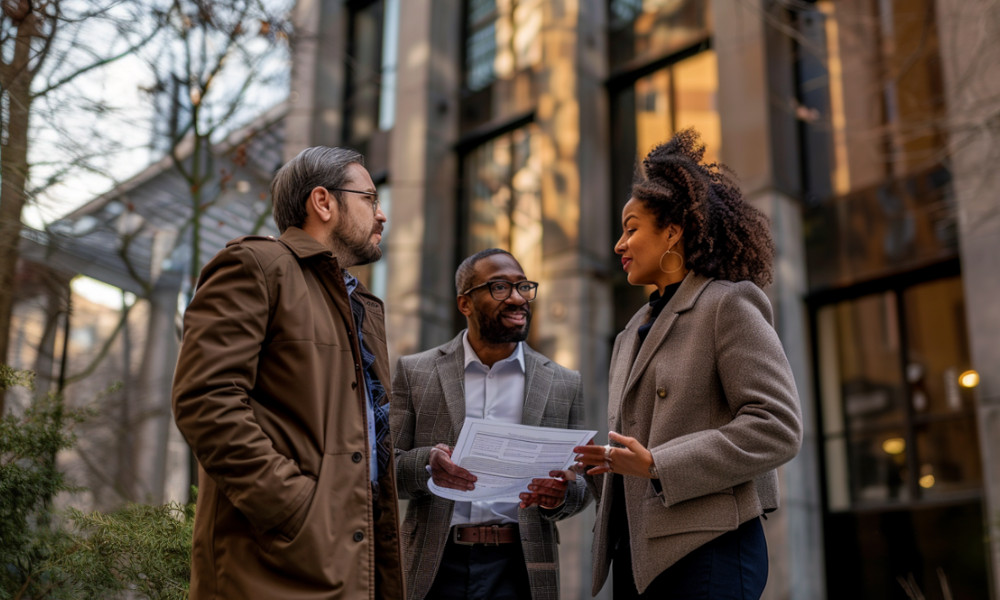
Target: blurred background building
[[867, 131]]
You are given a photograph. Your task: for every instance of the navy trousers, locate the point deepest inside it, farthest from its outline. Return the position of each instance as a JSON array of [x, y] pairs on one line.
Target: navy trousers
[[481, 572], [733, 566]]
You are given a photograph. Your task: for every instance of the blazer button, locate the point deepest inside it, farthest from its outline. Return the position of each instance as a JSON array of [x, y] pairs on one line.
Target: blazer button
[[356, 457], [358, 536], [661, 392], [354, 385]]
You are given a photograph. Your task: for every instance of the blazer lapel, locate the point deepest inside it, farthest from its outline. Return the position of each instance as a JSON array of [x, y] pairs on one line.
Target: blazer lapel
[[451, 375], [628, 344], [538, 375], [683, 300]]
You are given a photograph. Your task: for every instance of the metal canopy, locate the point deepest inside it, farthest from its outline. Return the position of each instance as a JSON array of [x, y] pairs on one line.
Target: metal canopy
[[142, 229]]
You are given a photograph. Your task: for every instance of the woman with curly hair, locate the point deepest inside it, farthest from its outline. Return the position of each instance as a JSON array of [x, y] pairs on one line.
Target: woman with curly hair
[[702, 406]]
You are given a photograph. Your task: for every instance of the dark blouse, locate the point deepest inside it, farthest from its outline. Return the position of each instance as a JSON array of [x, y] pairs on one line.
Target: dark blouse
[[656, 303]]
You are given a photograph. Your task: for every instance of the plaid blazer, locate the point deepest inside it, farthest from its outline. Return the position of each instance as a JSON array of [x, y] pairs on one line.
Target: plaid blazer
[[428, 407]]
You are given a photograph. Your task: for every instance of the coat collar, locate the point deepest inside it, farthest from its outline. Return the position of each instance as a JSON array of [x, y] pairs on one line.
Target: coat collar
[[303, 245], [684, 299], [450, 365]]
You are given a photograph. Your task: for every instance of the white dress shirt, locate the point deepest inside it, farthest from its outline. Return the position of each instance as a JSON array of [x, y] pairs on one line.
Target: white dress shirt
[[495, 394]]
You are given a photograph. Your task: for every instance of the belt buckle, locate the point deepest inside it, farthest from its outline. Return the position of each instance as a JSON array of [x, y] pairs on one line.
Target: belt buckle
[[455, 534], [496, 534]]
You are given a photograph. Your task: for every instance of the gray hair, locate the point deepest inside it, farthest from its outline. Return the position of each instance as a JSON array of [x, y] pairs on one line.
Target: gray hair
[[319, 166], [465, 272]]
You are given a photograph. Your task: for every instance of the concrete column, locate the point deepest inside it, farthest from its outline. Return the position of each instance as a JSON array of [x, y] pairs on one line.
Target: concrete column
[[577, 316], [152, 416], [794, 532], [970, 59], [319, 53], [420, 249]]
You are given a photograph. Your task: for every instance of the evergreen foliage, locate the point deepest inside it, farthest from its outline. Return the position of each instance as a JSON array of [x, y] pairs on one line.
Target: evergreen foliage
[[138, 551]]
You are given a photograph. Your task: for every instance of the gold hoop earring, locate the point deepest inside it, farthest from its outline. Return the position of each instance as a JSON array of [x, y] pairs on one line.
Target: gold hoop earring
[[671, 271]]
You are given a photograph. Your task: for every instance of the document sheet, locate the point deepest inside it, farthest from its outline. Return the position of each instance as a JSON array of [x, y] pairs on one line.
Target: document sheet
[[505, 458]]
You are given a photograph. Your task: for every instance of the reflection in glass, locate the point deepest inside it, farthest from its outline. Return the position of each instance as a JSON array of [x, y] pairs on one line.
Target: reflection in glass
[[937, 347], [949, 455], [678, 96], [364, 72], [878, 467], [654, 28], [503, 190], [898, 424]]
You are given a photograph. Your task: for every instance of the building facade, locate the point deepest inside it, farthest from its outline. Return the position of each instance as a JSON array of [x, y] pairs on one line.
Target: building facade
[[863, 128]]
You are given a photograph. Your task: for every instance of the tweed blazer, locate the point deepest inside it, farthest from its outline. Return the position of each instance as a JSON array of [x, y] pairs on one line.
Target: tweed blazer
[[710, 393], [428, 407]]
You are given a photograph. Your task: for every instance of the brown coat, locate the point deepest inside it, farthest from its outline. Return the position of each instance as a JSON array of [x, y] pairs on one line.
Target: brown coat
[[711, 395], [269, 394]]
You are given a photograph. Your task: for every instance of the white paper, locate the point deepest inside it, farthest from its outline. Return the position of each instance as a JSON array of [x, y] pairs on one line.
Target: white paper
[[506, 457]]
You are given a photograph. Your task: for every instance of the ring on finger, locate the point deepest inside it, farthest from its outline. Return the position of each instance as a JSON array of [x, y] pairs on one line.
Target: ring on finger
[[607, 452]]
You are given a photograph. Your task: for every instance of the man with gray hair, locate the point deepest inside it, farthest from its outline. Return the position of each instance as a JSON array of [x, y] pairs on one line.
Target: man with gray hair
[[281, 389], [482, 550]]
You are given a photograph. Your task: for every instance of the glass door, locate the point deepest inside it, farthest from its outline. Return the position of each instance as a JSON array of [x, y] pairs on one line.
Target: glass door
[[901, 457]]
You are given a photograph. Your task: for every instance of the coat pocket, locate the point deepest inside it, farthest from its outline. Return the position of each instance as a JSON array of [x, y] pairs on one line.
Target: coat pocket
[[325, 549], [712, 512]]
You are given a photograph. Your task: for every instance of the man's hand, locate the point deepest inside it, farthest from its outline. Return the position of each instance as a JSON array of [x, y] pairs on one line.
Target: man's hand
[[446, 473], [548, 493]]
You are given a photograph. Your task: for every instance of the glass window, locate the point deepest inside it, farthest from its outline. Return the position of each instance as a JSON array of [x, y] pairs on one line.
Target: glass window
[[503, 195], [480, 43], [390, 52], [364, 71], [647, 112], [501, 38], [654, 28], [883, 69], [680, 95], [379, 274], [897, 424]]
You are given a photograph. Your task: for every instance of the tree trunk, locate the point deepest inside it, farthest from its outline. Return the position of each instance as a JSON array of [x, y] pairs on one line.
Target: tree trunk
[[13, 177]]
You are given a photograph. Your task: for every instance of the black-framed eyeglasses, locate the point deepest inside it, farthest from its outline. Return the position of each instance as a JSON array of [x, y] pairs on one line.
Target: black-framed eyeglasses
[[501, 290], [370, 197]]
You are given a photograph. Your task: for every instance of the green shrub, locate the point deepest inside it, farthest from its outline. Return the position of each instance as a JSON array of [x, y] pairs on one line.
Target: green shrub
[[141, 550]]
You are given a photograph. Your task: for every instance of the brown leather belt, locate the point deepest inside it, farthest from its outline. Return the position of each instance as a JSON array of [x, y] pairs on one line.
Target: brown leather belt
[[485, 534]]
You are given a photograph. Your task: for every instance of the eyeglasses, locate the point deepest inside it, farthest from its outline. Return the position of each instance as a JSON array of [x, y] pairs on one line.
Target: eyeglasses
[[370, 197], [501, 290]]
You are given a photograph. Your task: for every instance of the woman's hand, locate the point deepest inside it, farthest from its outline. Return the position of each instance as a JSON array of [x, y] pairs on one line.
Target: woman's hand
[[632, 458]]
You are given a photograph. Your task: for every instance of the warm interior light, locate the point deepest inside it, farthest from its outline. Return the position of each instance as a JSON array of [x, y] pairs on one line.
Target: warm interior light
[[894, 446], [927, 481], [969, 379]]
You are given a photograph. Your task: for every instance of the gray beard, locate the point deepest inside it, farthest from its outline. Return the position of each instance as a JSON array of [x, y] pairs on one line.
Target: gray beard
[[351, 253]]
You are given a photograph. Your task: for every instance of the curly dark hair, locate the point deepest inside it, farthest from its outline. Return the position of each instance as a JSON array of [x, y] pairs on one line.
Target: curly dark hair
[[724, 237]]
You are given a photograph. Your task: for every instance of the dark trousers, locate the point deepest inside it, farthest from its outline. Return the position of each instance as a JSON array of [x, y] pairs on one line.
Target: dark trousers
[[481, 572], [732, 566]]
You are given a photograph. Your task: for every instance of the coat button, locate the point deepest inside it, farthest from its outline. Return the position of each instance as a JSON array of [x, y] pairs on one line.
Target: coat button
[[356, 457], [661, 392], [354, 385], [358, 536]]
